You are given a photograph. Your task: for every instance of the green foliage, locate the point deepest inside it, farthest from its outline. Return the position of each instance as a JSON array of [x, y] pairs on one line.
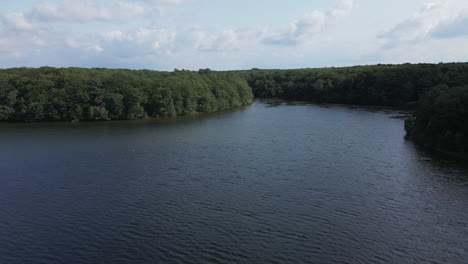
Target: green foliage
[[380, 85], [74, 94], [441, 121], [7, 98]]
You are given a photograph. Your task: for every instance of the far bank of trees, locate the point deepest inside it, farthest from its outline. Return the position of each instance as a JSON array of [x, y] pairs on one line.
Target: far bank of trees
[[379, 85], [441, 121], [74, 94]]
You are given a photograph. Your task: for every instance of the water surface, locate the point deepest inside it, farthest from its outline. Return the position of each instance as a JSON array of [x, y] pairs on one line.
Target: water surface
[[271, 183]]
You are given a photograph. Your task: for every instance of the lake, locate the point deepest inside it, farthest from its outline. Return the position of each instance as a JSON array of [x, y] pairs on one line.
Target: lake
[[273, 182]]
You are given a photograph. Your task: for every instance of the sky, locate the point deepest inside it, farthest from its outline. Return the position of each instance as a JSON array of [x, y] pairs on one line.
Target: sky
[[230, 34]]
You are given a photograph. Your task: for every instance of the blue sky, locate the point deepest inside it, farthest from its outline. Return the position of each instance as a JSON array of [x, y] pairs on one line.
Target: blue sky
[[223, 35]]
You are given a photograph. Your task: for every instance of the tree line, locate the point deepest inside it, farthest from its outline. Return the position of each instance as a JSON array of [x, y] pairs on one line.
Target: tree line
[[74, 94], [375, 85], [441, 120]]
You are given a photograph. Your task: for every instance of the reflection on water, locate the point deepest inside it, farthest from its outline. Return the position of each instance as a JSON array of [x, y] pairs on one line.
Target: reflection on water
[[274, 182]]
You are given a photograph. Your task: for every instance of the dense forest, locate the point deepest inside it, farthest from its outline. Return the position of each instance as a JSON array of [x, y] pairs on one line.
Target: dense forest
[[441, 120], [376, 85], [74, 94]]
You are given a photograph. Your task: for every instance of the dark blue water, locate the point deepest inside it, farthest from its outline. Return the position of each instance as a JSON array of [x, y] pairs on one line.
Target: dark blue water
[[284, 183]]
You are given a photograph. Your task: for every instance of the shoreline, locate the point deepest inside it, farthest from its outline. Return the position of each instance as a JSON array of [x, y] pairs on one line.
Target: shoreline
[[162, 119]]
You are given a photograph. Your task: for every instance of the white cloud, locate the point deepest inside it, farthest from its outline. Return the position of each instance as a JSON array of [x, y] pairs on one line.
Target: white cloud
[[310, 25], [432, 50], [228, 40], [165, 39], [167, 2], [19, 36], [85, 45], [132, 43], [84, 11], [433, 20], [18, 21], [343, 10], [43, 34], [113, 35], [456, 27]]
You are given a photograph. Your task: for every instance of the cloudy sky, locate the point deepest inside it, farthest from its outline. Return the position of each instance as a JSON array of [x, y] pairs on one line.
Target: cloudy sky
[[230, 34]]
